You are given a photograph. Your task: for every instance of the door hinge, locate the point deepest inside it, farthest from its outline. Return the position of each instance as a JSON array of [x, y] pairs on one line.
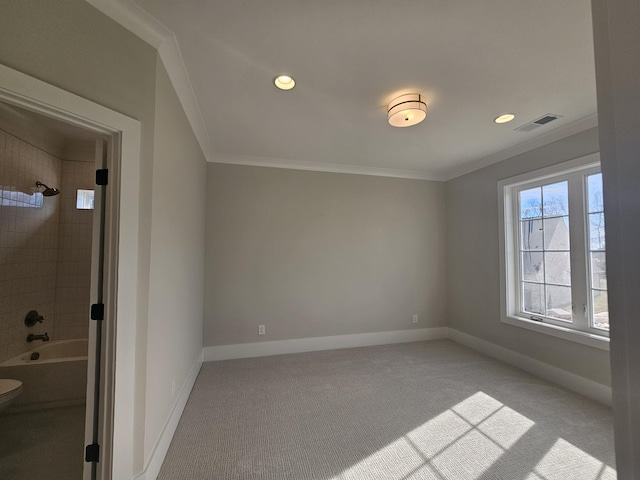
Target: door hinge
[[97, 311], [102, 177], [92, 453]]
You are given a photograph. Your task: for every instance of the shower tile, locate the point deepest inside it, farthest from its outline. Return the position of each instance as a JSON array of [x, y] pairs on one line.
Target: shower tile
[[26, 237], [73, 331], [45, 244], [74, 265], [4, 322]]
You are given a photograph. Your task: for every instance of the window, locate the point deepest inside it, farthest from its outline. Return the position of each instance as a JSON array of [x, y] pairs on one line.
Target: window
[[84, 199], [553, 252]]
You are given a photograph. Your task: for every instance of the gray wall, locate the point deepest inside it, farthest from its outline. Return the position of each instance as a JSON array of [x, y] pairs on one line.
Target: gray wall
[[71, 45], [473, 261], [313, 254], [176, 280]]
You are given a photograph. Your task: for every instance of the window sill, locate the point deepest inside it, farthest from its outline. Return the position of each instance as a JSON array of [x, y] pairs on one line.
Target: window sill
[[590, 339]]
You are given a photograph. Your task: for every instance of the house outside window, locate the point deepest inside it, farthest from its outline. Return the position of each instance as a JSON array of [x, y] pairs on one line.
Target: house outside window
[[552, 251]]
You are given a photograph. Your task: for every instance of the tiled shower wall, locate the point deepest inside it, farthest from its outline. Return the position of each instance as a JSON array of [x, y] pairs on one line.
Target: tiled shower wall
[[28, 242], [34, 273], [74, 254]]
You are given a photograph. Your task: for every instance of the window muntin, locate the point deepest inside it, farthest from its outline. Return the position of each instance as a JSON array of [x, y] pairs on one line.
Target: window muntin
[[554, 270], [597, 260]]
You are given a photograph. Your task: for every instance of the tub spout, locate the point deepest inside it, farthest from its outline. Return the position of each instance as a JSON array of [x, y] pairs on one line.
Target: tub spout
[[31, 337]]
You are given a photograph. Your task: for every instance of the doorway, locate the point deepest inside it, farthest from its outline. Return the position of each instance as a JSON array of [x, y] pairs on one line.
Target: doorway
[[121, 157], [46, 234]]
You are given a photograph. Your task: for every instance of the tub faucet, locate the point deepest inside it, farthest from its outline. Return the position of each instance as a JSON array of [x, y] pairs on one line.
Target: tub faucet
[[31, 337], [32, 318]]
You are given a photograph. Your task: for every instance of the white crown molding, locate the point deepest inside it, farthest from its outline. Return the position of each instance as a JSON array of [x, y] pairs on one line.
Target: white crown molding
[[539, 141], [171, 57], [150, 30], [256, 161]]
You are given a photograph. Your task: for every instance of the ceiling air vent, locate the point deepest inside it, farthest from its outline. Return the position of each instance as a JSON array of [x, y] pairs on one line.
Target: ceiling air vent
[[539, 122]]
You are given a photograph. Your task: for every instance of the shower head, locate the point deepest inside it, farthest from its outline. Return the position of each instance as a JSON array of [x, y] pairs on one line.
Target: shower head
[[48, 191]]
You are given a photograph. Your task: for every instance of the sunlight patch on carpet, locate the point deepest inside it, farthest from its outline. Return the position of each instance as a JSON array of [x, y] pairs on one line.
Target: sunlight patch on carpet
[[565, 461], [462, 442]]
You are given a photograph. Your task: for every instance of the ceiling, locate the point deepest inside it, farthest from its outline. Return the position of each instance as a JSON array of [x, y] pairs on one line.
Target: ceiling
[[60, 139], [471, 59]]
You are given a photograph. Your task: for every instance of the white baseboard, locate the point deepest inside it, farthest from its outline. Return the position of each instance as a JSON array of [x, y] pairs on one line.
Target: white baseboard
[[596, 391], [161, 447], [588, 388], [312, 344]]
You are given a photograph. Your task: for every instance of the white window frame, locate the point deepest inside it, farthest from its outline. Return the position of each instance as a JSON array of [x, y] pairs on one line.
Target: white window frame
[[580, 331]]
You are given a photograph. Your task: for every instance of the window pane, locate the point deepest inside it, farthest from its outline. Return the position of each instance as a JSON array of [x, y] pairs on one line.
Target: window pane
[[556, 199], [598, 270], [559, 302], [596, 231], [532, 267], [531, 238], [531, 203], [594, 186], [84, 199], [556, 233], [557, 268], [600, 309], [533, 294]]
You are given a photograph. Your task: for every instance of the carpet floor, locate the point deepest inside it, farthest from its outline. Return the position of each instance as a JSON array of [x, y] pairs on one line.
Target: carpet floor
[[426, 410]]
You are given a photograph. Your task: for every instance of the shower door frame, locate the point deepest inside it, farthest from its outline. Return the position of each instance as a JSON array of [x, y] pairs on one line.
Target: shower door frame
[[120, 277]]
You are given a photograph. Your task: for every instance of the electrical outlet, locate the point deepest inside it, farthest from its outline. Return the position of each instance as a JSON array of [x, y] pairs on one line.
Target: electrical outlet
[[415, 318], [173, 387], [261, 330]]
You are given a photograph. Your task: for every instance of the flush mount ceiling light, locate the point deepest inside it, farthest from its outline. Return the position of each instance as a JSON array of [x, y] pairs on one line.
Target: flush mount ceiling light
[[406, 110], [504, 118], [284, 82]]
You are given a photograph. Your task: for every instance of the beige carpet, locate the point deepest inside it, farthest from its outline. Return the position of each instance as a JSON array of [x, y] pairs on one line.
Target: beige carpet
[[428, 410]]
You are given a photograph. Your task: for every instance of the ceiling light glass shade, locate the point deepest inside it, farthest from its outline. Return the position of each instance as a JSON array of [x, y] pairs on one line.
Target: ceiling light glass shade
[[504, 118], [284, 82], [406, 110]]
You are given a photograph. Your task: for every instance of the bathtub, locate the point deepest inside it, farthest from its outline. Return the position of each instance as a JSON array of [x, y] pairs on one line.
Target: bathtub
[[58, 378]]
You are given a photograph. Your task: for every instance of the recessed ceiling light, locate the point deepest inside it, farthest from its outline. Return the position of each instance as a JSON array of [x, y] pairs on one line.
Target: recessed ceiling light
[[504, 118], [284, 82], [406, 110]]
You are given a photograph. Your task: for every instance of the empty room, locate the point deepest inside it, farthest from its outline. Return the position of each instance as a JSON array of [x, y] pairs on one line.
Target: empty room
[[294, 240]]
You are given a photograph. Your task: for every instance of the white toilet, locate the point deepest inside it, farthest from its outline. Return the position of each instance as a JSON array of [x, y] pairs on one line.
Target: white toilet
[[9, 390]]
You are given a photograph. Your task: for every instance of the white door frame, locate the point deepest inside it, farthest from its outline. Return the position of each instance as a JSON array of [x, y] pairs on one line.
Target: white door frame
[[121, 254], [616, 36]]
